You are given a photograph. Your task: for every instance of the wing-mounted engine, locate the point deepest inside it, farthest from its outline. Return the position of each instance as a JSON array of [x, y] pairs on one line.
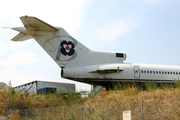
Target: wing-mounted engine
[[104, 69]]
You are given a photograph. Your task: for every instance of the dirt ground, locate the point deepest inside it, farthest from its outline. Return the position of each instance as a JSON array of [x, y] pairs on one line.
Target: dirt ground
[[2, 118]]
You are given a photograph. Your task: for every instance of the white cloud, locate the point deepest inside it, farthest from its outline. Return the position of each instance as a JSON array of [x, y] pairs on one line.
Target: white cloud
[[11, 47], [21, 58], [1, 49], [116, 29], [10, 71], [17, 77], [17, 45], [56, 67], [67, 13]]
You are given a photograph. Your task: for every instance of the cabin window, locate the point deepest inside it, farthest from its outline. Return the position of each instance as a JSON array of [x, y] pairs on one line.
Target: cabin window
[[148, 72], [151, 72], [168, 73], [159, 72], [156, 72], [179, 73], [144, 71], [176, 73], [171, 73], [165, 72], [141, 71], [162, 72], [136, 71]]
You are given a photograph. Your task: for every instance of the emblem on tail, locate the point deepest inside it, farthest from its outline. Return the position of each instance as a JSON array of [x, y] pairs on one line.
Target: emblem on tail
[[67, 48]]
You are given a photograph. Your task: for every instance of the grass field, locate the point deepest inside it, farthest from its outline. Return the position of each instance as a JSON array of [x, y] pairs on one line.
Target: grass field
[[158, 100]]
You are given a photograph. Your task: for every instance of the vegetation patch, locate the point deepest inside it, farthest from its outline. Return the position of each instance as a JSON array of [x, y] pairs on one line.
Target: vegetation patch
[[157, 97]]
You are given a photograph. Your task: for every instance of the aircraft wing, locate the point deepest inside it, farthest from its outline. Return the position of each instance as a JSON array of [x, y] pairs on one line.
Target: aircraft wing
[[108, 69]]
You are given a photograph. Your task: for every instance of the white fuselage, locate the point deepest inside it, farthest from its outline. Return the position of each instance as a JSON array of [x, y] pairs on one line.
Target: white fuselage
[[131, 72]]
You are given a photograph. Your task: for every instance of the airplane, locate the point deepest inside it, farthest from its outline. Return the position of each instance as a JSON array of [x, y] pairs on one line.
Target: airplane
[[79, 63]]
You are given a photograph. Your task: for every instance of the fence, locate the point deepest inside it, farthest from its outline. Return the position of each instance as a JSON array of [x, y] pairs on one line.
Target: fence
[[156, 109]]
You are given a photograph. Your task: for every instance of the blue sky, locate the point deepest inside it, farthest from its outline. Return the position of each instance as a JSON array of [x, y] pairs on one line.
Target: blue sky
[[148, 31]]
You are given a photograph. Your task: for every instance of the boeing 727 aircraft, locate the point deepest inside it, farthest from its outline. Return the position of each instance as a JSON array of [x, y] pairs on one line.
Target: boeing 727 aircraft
[[79, 63]]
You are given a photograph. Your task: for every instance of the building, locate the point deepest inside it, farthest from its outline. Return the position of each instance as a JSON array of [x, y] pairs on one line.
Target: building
[[3, 85], [39, 87]]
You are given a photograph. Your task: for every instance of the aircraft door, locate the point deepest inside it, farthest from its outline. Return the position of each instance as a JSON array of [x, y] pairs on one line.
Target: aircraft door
[[136, 73]]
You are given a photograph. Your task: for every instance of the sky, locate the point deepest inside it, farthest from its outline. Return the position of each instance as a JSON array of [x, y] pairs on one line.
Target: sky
[[148, 31]]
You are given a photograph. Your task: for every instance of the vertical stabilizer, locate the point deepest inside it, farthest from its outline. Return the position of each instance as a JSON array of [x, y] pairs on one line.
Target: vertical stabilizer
[[62, 47]]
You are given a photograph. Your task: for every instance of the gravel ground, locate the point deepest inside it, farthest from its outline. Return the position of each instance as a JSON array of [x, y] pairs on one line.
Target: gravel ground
[[2, 118]]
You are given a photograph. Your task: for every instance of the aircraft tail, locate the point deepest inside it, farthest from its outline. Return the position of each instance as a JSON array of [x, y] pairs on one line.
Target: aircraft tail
[[62, 47]]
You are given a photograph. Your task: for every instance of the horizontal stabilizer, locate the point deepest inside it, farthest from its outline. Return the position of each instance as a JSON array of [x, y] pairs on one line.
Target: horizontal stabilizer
[[33, 23], [107, 71], [21, 37]]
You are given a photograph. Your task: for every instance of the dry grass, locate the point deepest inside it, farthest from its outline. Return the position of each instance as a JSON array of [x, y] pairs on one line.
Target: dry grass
[[15, 117], [133, 94], [4, 94], [159, 103]]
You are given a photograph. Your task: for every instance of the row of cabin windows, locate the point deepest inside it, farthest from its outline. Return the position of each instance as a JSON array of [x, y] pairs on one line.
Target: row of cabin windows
[[160, 72]]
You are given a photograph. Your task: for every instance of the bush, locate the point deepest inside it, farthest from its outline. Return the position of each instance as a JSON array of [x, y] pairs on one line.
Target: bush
[[15, 117]]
